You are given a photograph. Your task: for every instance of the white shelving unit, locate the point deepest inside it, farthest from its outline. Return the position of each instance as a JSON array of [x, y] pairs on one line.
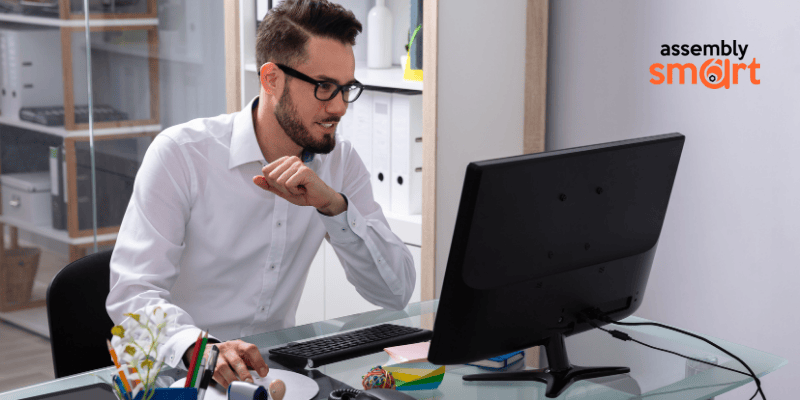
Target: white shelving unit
[[61, 132], [73, 23], [79, 240], [55, 234]]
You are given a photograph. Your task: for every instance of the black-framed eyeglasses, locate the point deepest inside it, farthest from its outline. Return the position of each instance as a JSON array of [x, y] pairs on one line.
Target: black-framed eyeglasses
[[327, 90]]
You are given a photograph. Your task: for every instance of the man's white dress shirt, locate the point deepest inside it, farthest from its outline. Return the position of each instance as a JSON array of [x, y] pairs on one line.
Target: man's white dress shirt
[[203, 241]]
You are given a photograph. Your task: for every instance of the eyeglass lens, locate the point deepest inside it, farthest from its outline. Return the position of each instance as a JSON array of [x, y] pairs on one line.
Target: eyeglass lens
[[326, 91]]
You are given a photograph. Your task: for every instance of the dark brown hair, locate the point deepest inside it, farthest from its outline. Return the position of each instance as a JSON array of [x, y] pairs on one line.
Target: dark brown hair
[[284, 32]]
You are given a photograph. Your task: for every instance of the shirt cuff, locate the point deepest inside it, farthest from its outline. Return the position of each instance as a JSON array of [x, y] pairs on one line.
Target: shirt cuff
[[346, 227], [177, 345]]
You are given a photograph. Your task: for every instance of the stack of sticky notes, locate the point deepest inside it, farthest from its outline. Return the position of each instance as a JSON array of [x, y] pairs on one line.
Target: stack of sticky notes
[[415, 352], [417, 376]]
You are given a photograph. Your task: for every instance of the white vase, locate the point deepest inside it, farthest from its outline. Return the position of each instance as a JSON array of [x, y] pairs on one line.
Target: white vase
[[379, 36]]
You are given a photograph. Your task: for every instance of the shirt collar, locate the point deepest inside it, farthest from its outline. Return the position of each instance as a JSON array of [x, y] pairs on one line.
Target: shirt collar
[[244, 146]]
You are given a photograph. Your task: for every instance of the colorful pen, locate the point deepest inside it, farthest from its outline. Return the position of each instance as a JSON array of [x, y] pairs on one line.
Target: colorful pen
[[113, 353], [209, 373], [200, 372], [121, 387]]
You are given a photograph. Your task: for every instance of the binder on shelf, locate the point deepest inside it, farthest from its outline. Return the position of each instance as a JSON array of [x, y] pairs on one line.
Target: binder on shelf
[[345, 127], [3, 71], [361, 133], [382, 149], [29, 54], [9, 100], [406, 154], [115, 171], [58, 187]]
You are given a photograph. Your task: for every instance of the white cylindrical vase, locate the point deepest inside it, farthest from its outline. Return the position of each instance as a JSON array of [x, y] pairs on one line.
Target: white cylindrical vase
[[379, 36]]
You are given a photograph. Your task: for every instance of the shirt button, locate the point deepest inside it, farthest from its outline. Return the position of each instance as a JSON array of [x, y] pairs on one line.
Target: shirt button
[[262, 308], [272, 266], [279, 224], [354, 223]]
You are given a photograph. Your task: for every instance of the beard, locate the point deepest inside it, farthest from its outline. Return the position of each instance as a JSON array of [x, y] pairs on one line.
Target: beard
[[286, 114]]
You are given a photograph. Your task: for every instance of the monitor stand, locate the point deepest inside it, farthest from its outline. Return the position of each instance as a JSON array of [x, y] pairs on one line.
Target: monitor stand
[[558, 376]]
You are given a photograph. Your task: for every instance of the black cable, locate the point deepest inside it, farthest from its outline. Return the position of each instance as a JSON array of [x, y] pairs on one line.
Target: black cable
[[624, 336], [343, 394]]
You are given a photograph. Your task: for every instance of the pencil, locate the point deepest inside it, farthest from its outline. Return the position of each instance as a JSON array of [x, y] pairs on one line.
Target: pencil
[[199, 359], [116, 364], [193, 360]]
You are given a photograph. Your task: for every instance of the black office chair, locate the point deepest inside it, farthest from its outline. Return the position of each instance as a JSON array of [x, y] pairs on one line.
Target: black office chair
[[76, 312]]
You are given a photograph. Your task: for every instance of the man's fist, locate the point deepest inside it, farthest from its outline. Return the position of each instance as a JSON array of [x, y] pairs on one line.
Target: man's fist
[[291, 179]]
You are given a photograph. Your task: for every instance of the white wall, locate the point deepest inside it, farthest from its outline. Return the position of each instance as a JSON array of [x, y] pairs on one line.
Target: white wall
[[481, 81], [728, 255]]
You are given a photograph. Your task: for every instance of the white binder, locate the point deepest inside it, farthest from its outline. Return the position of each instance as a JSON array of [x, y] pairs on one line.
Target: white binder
[[345, 127], [361, 133], [29, 56], [382, 149], [406, 154], [3, 72]]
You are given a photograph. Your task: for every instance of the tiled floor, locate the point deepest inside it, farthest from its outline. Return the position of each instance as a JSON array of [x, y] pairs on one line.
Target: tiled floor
[[26, 358]]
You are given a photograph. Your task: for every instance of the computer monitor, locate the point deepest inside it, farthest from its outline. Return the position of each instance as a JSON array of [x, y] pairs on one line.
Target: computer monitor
[[541, 241]]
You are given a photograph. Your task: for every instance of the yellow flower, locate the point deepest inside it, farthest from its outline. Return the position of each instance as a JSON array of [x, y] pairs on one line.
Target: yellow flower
[[130, 350], [134, 316], [118, 331], [147, 364]]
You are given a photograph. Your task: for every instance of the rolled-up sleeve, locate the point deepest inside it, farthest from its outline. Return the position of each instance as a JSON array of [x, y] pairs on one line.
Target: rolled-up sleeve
[[144, 264], [375, 260]]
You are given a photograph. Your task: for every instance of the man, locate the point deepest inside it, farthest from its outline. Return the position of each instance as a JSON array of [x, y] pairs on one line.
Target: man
[[227, 213]]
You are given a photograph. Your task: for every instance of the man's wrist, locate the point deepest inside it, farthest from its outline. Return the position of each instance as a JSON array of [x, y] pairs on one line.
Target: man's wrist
[[337, 206], [187, 356]]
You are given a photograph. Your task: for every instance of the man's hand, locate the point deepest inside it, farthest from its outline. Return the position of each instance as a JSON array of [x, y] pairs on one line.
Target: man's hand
[[292, 180], [234, 358]]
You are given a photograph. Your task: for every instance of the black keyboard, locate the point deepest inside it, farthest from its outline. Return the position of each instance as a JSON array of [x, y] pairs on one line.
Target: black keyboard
[[344, 346]]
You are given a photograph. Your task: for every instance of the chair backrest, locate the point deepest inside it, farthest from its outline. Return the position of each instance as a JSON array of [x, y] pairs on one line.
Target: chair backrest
[[76, 312]]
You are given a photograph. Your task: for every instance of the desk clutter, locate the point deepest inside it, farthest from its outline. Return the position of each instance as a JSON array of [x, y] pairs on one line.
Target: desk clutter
[[135, 350], [279, 384], [416, 376]]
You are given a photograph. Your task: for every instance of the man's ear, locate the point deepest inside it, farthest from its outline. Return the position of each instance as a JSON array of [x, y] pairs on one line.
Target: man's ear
[[269, 76]]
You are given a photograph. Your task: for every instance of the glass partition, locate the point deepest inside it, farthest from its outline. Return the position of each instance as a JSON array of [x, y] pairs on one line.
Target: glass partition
[[67, 169]]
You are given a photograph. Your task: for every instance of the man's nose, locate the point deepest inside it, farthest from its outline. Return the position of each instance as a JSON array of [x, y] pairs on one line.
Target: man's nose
[[337, 105]]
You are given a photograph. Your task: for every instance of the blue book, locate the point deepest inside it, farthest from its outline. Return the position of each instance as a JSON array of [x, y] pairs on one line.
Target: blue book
[[500, 362]]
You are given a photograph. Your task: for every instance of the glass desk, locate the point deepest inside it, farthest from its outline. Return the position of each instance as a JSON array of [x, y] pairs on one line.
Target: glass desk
[[654, 374]]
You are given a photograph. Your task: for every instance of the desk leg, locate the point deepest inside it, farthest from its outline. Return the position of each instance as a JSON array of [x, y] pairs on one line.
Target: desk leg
[[14, 236], [76, 252]]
